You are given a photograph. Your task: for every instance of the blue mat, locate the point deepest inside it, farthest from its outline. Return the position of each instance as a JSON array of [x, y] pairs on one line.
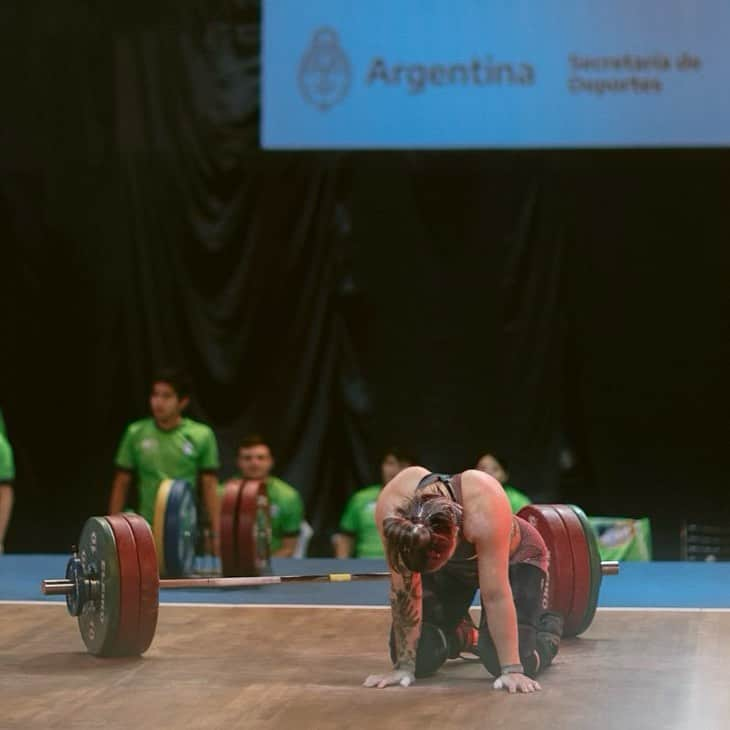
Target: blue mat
[[639, 585]]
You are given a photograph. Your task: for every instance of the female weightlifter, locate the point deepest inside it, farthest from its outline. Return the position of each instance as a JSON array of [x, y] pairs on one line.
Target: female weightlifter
[[444, 537]]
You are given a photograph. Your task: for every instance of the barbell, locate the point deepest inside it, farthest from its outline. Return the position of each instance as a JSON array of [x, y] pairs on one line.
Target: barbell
[[112, 581]]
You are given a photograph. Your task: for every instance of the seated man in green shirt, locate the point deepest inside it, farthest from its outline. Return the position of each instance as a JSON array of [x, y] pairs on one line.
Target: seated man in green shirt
[[497, 468], [7, 476], [358, 535], [168, 446], [255, 462]]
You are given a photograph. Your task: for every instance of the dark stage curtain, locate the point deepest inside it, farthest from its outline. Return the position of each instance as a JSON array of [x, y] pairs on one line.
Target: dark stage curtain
[[557, 304], [145, 229], [530, 303]]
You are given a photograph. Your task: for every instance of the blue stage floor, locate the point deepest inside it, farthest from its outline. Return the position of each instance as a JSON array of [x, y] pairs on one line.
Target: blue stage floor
[[639, 585]]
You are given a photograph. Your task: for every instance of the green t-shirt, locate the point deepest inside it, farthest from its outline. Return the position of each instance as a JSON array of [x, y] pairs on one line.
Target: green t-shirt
[[358, 520], [287, 509], [517, 499], [7, 464], [155, 455]]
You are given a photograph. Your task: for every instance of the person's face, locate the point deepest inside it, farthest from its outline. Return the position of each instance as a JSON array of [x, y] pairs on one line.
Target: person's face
[[165, 404], [438, 558], [489, 465], [390, 467], [255, 462]]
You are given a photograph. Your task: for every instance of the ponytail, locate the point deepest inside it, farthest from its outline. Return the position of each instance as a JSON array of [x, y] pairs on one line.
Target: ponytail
[[421, 532], [408, 544]]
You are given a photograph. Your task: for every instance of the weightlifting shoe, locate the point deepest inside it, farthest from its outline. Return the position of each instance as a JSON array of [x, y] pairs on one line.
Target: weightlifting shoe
[[464, 640]]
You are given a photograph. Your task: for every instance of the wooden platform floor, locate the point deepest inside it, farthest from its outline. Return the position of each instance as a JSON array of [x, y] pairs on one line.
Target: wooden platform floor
[[292, 667]]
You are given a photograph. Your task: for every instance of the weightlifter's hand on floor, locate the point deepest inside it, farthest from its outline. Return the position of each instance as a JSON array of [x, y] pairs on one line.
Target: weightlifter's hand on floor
[[398, 676], [515, 682]]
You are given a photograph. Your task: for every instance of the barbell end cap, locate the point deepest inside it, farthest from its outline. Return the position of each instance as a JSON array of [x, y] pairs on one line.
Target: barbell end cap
[[610, 567], [56, 587]]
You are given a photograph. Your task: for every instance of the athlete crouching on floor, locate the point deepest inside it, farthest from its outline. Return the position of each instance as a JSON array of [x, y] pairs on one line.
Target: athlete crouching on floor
[[444, 537]]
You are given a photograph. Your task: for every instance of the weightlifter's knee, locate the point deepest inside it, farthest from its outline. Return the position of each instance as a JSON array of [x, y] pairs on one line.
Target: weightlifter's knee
[[433, 650], [538, 645]]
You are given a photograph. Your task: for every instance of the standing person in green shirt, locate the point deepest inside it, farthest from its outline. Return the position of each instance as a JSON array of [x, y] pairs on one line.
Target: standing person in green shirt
[[358, 535], [497, 468], [7, 477], [255, 462], [168, 446]]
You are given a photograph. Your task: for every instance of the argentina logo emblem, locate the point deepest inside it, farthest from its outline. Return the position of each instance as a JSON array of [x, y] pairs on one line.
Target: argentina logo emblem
[[324, 72]]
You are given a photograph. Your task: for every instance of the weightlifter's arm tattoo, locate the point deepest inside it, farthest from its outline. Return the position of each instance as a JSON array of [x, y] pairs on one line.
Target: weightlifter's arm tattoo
[[405, 603]]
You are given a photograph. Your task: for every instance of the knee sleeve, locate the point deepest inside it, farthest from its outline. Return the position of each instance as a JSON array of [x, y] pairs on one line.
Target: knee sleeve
[[433, 650], [531, 656], [539, 646], [549, 633], [488, 653], [536, 652]]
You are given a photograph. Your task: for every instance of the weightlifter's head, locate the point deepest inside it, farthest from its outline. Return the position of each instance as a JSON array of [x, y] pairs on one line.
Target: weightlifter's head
[[493, 465], [169, 396], [422, 534], [394, 461], [254, 458]]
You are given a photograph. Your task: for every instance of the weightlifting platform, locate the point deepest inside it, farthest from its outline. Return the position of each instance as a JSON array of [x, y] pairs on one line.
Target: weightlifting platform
[[294, 656]]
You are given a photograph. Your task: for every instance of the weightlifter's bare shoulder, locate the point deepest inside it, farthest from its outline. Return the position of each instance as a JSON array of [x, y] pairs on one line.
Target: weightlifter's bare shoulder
[[486, 506], [399, 488]]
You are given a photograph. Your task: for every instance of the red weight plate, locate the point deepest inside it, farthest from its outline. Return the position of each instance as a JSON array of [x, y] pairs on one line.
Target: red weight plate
[[229, 528], [248, 508], [149, 582], [581, 569], [594, 558], [560, 570], [127, 631]]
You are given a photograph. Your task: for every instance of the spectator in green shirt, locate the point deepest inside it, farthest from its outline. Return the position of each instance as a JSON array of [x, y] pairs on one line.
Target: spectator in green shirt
[[497, 468], [7, 476], [357, 533], [255, 463], [168, 446]]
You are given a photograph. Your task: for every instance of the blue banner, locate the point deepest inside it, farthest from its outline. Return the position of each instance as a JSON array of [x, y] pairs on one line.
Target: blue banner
[[495, 73]]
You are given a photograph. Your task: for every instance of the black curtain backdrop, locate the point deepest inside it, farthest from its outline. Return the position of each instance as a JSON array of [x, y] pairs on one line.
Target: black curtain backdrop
[[532, 303]]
